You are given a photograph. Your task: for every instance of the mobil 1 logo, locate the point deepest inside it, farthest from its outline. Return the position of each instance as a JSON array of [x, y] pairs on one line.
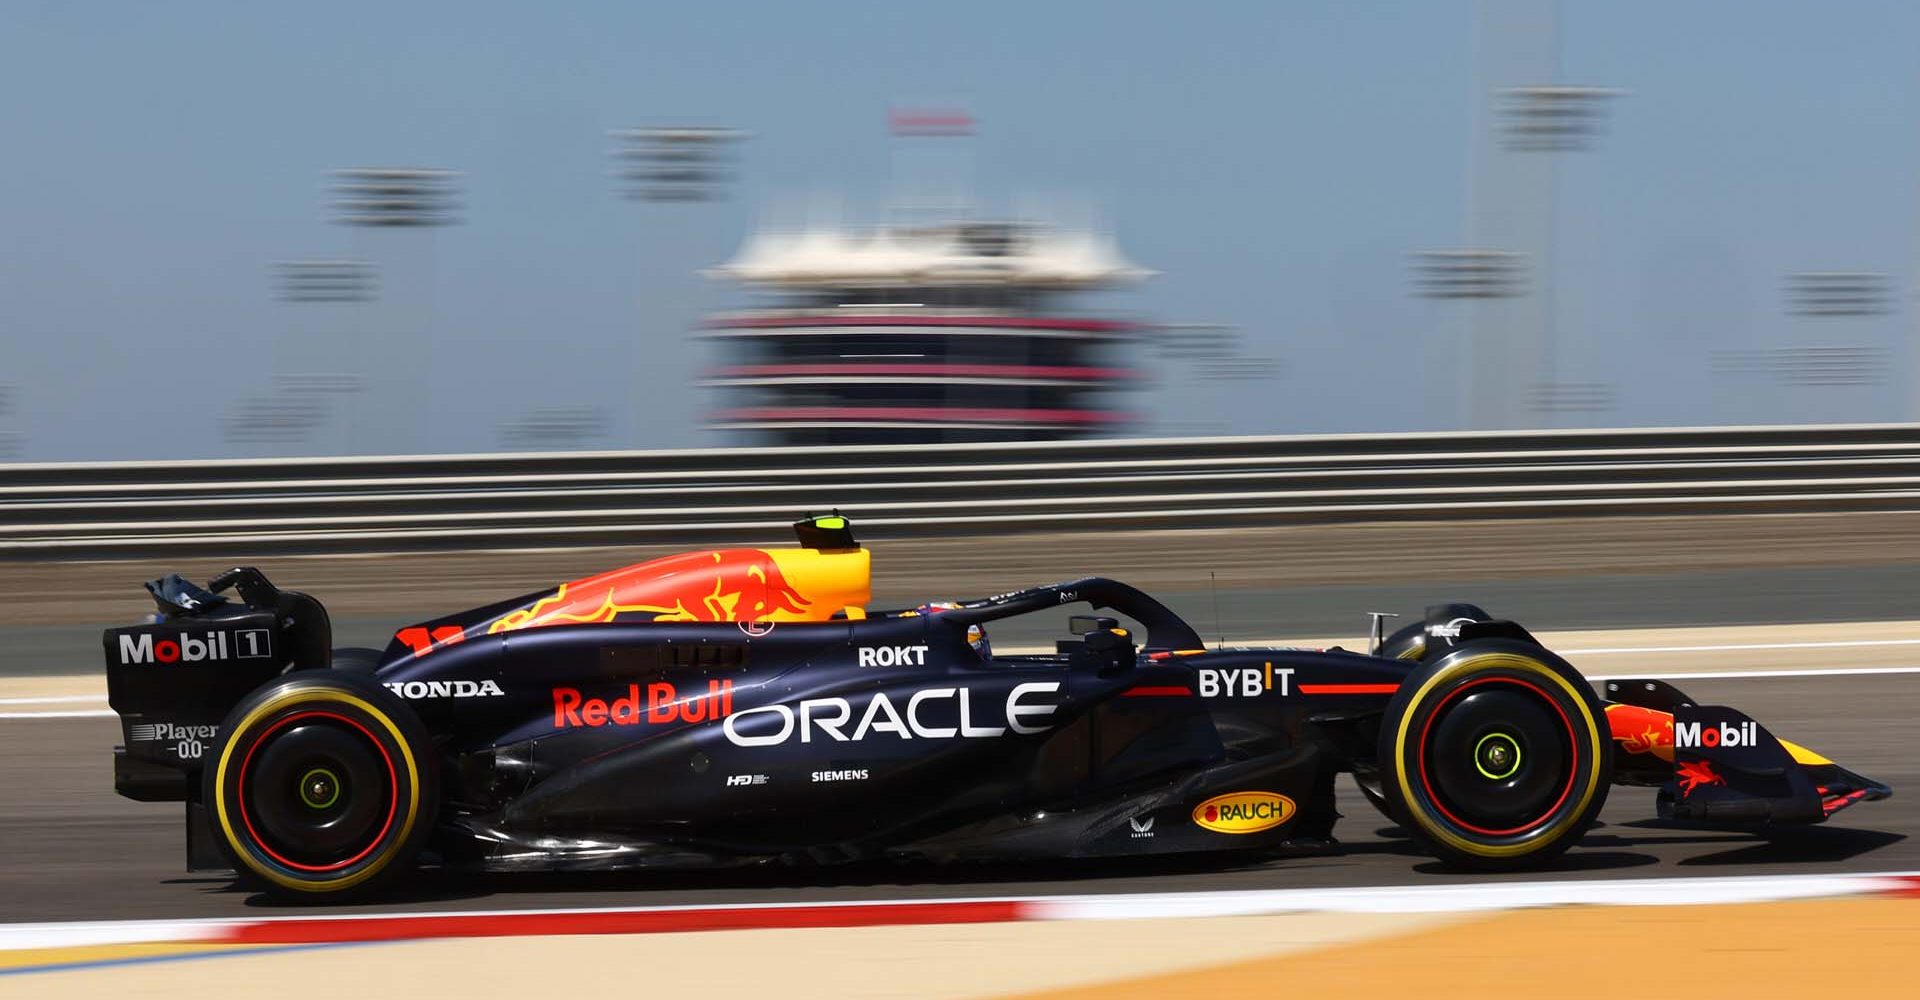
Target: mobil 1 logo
[[196, 647]]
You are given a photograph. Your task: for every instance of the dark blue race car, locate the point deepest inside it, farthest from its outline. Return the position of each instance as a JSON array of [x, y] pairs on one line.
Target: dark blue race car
[[740, 706]]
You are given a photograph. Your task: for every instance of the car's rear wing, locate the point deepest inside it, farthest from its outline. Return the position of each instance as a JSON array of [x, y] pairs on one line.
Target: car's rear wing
[[173, 678]]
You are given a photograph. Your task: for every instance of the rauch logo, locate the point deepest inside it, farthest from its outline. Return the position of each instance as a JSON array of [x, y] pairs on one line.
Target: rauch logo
[[1243, 812]]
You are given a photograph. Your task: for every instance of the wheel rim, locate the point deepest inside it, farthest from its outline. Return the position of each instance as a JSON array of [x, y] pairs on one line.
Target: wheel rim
[[317, 792], [1497, 757]]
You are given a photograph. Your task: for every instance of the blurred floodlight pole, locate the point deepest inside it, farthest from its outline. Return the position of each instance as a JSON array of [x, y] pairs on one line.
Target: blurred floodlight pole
[[658, 164], [324, 280], [393, 196], [11, 442], [307, 381], [1525, 121], [1837, 293], [396, 358], [1468, 274], [674, 164], [1552, 119], [1546, 120], [1833, 302], [1464, 275]]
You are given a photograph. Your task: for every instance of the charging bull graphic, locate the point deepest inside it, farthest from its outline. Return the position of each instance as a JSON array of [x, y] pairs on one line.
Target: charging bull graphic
[[744, 585], [1642, 730]]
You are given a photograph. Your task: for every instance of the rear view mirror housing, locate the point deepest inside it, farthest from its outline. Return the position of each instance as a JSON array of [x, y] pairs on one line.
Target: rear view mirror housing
[[1081, 625]]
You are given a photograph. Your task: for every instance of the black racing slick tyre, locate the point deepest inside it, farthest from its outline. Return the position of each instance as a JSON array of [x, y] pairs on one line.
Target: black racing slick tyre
[[323, 787], [1496, 755]]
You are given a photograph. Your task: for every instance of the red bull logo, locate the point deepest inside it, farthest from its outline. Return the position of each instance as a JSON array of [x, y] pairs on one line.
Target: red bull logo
[[739, 585], [662, 704]]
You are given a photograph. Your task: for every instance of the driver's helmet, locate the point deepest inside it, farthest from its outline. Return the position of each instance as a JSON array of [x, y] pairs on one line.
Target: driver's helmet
[[977, 638], [976, 635]]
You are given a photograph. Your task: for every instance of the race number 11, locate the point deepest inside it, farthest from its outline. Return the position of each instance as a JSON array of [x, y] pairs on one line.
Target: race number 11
[[420, 640]]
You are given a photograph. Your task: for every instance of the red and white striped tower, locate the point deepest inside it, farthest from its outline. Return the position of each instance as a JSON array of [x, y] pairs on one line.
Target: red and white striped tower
[[935, 327], [922, 334]]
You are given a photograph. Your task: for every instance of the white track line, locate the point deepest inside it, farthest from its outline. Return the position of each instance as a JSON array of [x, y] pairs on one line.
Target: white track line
[[1473, 897], [1735, 647], [1466, 898], [89, 713], [61, 699], [1662, 675]]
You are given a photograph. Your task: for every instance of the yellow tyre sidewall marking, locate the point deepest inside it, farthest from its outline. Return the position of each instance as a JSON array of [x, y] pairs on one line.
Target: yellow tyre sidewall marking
[[1421, 814], [301, 697]]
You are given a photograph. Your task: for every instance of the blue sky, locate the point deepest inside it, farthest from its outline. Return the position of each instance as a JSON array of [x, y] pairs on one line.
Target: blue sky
[[1275, 162]]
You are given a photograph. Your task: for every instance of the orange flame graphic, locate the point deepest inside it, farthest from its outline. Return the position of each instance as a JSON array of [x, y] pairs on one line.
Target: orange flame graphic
[[742, 585]]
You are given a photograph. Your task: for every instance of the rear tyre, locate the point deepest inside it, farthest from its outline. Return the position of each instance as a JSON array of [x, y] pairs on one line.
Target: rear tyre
[[1495, 755], [324, 786]]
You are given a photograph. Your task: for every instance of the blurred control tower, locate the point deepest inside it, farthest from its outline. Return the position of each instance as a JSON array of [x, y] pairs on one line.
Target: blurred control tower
[[933, 328]]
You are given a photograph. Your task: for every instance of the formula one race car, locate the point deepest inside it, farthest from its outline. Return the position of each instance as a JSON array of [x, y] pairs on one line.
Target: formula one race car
[[741, 706]]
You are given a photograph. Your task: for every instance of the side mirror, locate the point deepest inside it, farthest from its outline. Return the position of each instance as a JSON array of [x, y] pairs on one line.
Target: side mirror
[[1080, 625]]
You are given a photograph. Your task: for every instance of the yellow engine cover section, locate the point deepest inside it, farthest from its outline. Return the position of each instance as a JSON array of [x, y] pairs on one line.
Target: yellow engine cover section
[[722, 585]]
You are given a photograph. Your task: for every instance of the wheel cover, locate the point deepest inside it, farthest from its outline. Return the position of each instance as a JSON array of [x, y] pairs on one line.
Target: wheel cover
[[232, 821], [311, 834], [1588, 777], [1496, 756]]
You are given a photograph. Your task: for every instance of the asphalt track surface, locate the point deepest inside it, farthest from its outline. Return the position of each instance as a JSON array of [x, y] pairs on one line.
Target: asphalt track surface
[[75, 851]]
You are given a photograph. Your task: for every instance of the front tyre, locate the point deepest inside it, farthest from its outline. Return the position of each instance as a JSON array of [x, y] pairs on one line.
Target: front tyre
[[323, 787], [1496, 755]]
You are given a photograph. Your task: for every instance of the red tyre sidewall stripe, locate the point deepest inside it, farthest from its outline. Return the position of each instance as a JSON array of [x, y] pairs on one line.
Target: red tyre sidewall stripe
[[393, 792], [1426, 783]]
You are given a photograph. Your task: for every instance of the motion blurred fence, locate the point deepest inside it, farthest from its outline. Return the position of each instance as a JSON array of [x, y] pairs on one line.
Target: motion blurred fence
[[383, 504]]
